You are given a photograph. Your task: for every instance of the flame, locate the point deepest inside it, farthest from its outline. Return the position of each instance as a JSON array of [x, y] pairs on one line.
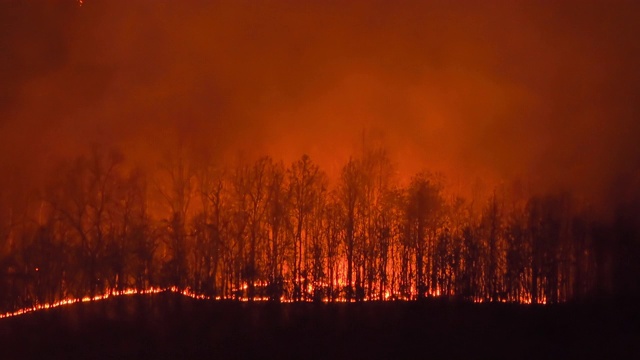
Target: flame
[[525, 299], [106, 295]]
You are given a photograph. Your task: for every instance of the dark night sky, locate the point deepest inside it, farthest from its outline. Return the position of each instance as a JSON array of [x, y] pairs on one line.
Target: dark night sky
[[541, 91]]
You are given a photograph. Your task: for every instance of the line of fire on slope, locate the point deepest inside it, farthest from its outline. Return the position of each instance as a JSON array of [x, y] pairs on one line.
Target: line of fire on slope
[[243, 297]]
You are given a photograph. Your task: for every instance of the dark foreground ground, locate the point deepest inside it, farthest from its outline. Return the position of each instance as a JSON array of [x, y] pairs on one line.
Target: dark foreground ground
[[170, 326]]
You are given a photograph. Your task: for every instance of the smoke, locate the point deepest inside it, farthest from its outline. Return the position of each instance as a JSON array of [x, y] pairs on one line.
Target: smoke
[[547, 93]]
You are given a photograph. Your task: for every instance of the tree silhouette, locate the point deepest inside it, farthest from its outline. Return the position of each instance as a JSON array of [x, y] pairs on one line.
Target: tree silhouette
[[177, 192], [260, 229], [84, 198], [422, 219], [350, 195]]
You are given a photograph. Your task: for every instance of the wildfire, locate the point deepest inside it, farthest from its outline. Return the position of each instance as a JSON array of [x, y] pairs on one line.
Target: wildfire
[[108, 294], [525, 299]]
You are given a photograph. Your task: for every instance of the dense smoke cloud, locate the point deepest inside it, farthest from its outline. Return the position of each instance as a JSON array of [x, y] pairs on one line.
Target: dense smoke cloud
[[543, 92]]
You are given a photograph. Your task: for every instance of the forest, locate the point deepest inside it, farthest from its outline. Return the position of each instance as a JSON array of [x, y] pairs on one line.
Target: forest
[[264, 230]]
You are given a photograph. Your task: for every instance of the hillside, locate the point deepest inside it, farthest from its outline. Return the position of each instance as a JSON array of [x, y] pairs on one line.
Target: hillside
[[172, 326]]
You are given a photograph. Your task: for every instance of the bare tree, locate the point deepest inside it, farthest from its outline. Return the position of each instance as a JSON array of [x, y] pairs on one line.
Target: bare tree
[[306, 184], [278, 223], [350, 194], [177, 189], [84, 196], [423, 216]]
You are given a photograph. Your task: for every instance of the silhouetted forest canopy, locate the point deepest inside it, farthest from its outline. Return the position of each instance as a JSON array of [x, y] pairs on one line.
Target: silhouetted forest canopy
[[460, 150], [264, 230]]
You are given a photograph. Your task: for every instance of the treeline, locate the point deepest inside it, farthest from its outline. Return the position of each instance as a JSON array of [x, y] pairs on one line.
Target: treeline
[[261, 229]]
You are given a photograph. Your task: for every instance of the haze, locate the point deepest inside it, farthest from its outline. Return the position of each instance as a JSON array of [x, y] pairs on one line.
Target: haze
[[541, 92]]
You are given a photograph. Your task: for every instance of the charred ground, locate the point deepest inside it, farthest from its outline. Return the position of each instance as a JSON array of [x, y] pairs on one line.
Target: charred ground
[[172, 326]]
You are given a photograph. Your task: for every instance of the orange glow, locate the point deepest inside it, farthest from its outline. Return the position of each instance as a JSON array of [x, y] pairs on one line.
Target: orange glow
[[87, 299], [248, 152], [187, 292]]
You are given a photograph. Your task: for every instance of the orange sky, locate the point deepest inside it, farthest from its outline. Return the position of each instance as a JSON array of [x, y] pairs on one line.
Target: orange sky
[[497, 90]]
